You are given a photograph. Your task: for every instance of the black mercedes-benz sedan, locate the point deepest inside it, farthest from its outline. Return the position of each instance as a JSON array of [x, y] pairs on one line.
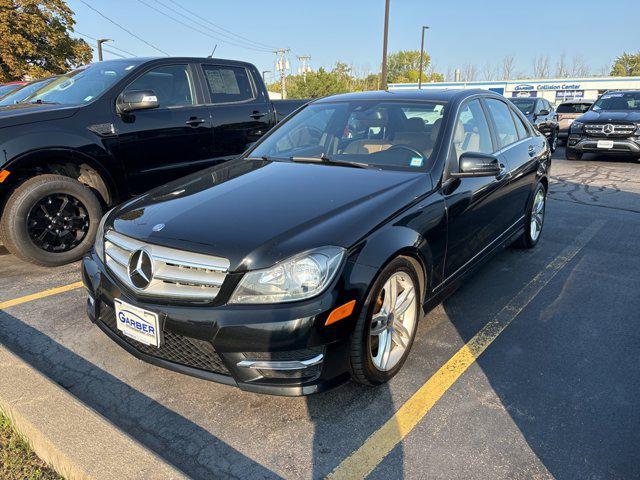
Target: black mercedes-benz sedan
[[310, 259]]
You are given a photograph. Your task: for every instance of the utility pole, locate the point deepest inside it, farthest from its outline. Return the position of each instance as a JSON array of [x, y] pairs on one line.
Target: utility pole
[[282, 65], [425, 27], [304, 67], [383, 75], [100, 42]]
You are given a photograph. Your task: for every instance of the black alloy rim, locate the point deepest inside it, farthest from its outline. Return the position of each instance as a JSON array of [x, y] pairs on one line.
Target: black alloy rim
[[58, 223]]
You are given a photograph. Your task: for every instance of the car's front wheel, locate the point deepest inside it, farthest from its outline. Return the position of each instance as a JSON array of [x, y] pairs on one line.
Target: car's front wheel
[[50, 220], [387, 324]]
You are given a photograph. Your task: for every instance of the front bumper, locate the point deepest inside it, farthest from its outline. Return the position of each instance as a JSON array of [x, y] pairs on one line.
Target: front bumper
[[590, 144], [277, 349]]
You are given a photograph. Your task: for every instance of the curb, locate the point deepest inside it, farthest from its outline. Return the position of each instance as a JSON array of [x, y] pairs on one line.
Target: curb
[[72, 438]]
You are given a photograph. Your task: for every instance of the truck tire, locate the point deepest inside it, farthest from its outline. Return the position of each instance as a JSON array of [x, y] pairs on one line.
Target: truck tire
[[50, 220], [572, 154]]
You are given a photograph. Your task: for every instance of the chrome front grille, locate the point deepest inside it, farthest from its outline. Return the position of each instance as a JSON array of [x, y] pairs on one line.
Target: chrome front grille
[[609, 129], [176, 273]]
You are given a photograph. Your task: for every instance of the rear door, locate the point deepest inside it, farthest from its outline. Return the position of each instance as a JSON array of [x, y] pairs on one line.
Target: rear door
[[520, 152], [158, 145], [240, 111]]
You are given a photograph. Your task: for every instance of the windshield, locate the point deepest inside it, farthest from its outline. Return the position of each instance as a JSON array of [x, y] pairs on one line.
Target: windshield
[[24, 92], [618, 101], [84, 84], [4, 89], [524, 105], [373, 133], [573, 107]]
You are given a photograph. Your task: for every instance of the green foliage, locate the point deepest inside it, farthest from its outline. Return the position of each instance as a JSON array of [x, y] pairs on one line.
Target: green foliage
[[35, 41], [626, 65], [402, 67]]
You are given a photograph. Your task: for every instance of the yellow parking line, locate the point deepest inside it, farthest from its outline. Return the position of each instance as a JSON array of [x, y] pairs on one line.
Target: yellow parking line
[[36, 296], [362, 462]]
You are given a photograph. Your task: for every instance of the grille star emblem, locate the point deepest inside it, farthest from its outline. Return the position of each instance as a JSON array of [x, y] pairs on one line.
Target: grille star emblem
[[140, 269]]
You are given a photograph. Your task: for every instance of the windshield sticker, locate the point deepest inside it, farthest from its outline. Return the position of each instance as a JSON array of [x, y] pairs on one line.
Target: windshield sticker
[[86, 99], [416, 162], [612, 95]]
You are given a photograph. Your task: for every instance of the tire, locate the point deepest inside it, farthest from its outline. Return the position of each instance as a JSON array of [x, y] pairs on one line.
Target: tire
[[363, 367], [24, 218], [553, 141], [572, 154], [529, 237]]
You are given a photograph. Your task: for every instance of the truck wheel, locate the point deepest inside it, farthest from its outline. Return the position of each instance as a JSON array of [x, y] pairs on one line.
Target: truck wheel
[[387, 325], [50, 220], [571, 154]]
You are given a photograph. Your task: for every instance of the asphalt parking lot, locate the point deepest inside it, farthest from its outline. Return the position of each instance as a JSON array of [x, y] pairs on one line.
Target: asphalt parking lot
[[555, 393]]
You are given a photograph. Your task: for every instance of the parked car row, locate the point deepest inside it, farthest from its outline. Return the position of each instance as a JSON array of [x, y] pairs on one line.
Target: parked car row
[[280, 253]]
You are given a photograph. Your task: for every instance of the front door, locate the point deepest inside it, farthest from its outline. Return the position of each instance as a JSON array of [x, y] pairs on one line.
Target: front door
[[475, 206], [240, 113], [159, 145]]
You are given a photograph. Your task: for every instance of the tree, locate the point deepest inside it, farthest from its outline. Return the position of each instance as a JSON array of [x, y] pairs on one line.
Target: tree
[[404, 67], [508, 66], [541, 67], [626, 65], [35, 41]]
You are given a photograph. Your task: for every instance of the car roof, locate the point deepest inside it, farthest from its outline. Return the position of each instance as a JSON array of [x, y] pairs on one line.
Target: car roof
[[438, 95], [142, 60]]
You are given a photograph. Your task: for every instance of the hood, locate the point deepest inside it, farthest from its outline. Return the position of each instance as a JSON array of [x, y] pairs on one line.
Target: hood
[[255, 212], [22, 113], [611, 116]]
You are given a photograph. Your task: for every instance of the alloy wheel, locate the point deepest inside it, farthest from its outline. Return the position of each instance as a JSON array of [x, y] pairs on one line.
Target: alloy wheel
[[393, 322], [58, 223], [537, 214]]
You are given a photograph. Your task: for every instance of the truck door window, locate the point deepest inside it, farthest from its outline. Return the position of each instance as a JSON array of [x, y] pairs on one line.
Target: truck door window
[[172, 85], [228, 84]]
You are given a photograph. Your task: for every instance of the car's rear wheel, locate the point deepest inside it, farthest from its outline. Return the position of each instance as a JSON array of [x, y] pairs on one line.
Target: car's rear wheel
[[572, 154], [387, 324], [534, 219], [50, 220]]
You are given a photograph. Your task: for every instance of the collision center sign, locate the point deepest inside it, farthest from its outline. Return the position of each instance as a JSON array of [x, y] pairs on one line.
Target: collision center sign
[[547, 86]]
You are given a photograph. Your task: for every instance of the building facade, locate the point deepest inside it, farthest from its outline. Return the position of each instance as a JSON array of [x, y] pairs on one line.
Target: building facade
[[556, 90]]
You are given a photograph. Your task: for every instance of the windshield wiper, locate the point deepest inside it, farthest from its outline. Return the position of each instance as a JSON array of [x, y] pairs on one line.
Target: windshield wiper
[[42, 102], [329, 161]]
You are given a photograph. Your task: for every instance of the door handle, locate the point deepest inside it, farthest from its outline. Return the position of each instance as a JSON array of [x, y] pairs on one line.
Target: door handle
[[194, 121], [531, 151], [256, 115]]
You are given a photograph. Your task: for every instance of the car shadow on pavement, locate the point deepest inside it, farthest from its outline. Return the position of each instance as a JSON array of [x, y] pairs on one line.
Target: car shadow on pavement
[[187, 446], [564, 371]]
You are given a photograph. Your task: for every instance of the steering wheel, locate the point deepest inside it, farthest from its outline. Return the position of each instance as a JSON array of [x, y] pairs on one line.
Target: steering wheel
[[406, 147]]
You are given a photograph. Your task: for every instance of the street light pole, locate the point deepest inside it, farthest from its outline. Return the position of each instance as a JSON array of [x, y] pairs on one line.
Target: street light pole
[[100, 42], [264, 75], [425, 27], [383, 75]]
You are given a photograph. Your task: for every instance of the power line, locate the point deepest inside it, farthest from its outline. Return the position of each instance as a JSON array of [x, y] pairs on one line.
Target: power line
[[260, 44], [112, 52], [198, 30], [110, 46], [123, 28]]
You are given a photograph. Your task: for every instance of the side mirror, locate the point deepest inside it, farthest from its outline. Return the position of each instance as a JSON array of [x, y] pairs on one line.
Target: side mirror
[[136, 100], [475, 164], [543, 113]]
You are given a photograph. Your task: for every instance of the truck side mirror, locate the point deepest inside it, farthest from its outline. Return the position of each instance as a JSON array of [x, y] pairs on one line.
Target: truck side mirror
[[136, 100]]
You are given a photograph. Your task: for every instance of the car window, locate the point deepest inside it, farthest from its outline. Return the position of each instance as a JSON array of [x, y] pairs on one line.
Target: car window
[[503, 121], [172, 85], [523, 131], [390, 134], [525, 105], [228, 84], [573, 107], [472, 130], [618, 101]]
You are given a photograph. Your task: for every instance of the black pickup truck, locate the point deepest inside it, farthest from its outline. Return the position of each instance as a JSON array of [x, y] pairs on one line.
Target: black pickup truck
[[107, 131]]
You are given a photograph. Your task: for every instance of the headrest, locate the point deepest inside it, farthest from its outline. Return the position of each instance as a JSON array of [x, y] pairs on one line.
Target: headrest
[[414, 124]]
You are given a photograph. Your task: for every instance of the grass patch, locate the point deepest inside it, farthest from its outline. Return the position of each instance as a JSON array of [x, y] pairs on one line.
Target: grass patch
[[17, 460]]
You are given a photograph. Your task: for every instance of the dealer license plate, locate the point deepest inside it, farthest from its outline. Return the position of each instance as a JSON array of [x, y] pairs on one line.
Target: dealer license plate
[[605, 143], [137, 323]]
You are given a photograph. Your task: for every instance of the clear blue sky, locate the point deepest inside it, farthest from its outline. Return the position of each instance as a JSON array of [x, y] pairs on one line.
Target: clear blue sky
[[462, 32]]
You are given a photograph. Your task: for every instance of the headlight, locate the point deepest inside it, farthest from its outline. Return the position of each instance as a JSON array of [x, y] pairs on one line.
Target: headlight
[[299, 277], [99, 243], [576, 127]]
